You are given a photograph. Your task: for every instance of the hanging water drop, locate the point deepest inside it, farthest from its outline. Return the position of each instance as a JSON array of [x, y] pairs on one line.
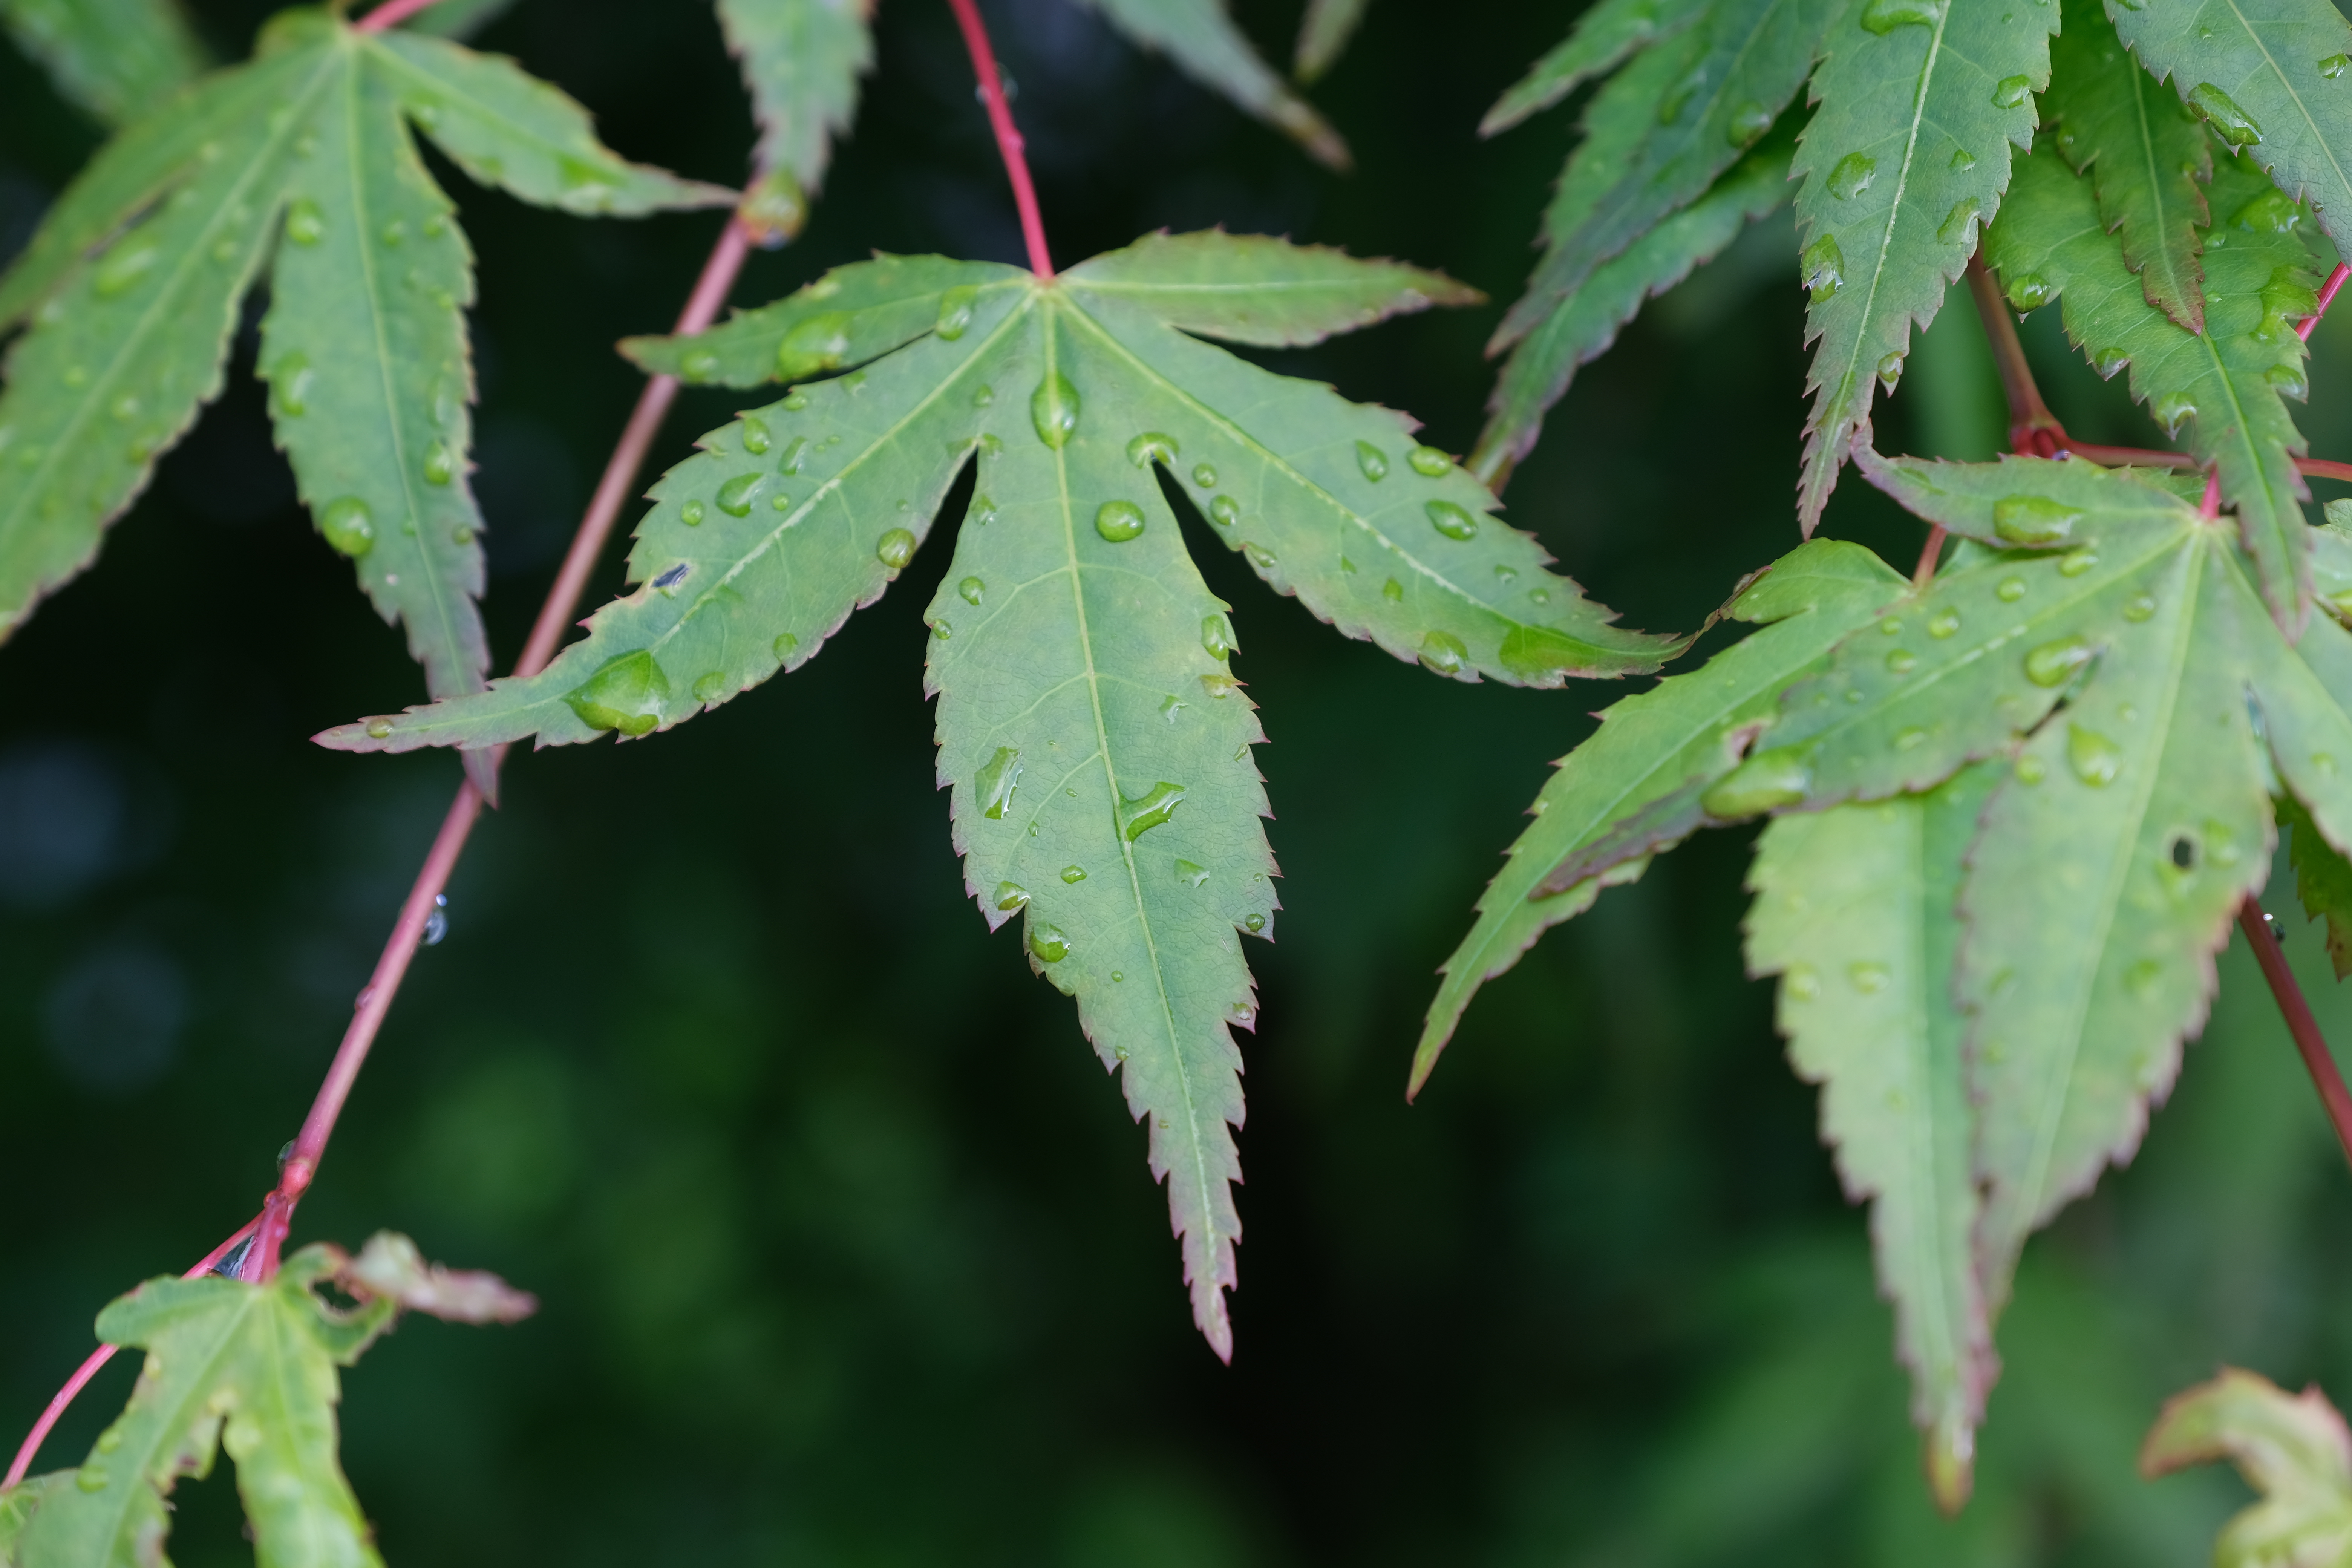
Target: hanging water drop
[[628, 694], [2029, 292], [895, 549], [1254, 923], [972, 590], [1048, 944], [436, 923], [1009, 895], [2108, 361], [1823, 264], [1442, 653], [1217, 636], [349, 526], [1890, 369]]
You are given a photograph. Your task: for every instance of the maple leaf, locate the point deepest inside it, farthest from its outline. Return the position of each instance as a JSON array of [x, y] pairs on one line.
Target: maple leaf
[[2292, 1448], [2227, 384], [1095, 740], [800, 61], [246, 1367], [1323, 35], [115, 58], [133, 283], [1201, 38]]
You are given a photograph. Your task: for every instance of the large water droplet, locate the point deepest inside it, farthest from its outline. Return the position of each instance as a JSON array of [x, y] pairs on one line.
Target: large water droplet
[[2094, 759], [1890, 368], [2029, 292], [1118, 520], [895, 549], [1883, 17], [289, 385], [1765, 782], [2273, 212], [1452, 521], [2289, 379], [756, 437], [691, 513], [1429, 462], [1151, 448], [440, 464], [1442, 653], [628, 694], [1902, 661], [1073, 874], [1824, 268], [2220, 111], [1852, 176], [1373, 461], [972, 590], [1145, 812], [1048, 944], [784, 646], [2054, 663], [1959, 225], [955, 312], [1224, 509], [2034, 520], [1943, 624], [997, 779], [1191, 874], [1393, 591], [736, 496], [2108, 361], [1217, 636], [1009, 895], [379, 729], [1054, 410], [2333, 66], [2011, 90], [122, 266], [1254, 923], [1205, 476], [349, 526], [816, 344], [305, 224]]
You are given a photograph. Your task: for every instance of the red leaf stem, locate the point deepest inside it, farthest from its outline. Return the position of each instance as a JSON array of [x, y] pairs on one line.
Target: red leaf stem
[[2326, 298], [2325, 1076], [1008, 135], [391, 14]]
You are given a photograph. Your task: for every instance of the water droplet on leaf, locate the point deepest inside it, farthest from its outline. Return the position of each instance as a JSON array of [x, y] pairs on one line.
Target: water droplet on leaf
[[1393, 591], [2054, 663], [1254, 923], [1442, 653], [628, 694], [955, 312], [2029, 292], [349, 526], [1225, 510], [1452, 521], [1765, 782], [1883, 17], [1959, 225], [1145, 812], [996, 780], [1048, 944], [1259, 556], [1152, 447], [2034, 520], [1118, 520], [1824, 268], [2140, 608], [1074, 873], [1852, 176], [1191, 874], [1373, 461], [1902, 661], [2011, 90], [305, 225], [1943, 624], [736, 496], [784, 646], [895, 549], [1009, 895], [1868, 978], [1429, 462], [1748, 122], [2333, 66], [2094, 759], [2010, 590], [2074, 562], [2220, 111], [1054, 410], [122, 266], [1205, 476], [1217, 636]]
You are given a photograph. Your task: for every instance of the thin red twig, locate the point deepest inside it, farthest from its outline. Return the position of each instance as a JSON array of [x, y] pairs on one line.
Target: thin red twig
[[391, 14], [98, 1358], [2313, 1045], [2211, 506], [1929, 553], [2326, 298], [1008, 135], [270, 1227]]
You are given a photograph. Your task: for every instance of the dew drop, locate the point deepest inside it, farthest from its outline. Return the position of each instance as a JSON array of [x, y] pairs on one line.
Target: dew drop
[[1442, 653], [1152, 447], [2108, 361], [1074, 873], [983, 512], [698, 366], [942, 630], [997, 779], [1393, 591], [1765, 782], [1191, 874], [1217, 636], [2094, 759], [1452, 521], [1429, 462], [1240, 1013], [1048, 944], [305, 225], [1824, 268], [1852, 176], [2011, 90], [895, 549], [1902, 661], [690, 514], [2030, 770], [2010, 590], [1943, 624], [1145, 812], [1963, 160], [1009, 895], [1259, 556], [736, 496], [2333, 66], [1749, 121], [1800, 983], [1205, 476], [972, 590], [2034, 520], [2220, 111], [1890, 369], [1373, 461], [784, 646], [711, 687], [1254, 923], [379, 729], [1910, 740], [2140, 608], [2074, 562], [2289, 379], [628, 694], [2029, 292], [955, 312], [1883, 17], [1219, 687], [756, 439], [1226, 510], [289, 385], [1868, 978], [1118, 520], [91, 1478], [2054, 663], [349, 526], [1891, 626], [1959, 225], [1054, 410], [982, 395], [123, 267]]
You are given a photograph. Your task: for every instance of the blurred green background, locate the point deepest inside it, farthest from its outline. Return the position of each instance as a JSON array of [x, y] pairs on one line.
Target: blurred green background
[[848, 1249]]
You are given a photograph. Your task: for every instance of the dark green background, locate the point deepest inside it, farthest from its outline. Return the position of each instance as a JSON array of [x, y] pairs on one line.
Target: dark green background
[[849, 1250]]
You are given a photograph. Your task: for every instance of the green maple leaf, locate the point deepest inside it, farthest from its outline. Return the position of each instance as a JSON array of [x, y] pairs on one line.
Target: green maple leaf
[[1201, 38], [2323, 882], [1907, 153], [117, 58], [1717, 88], [1631, 789], [1323, 35], [1604, 37], [1095, 740], [2293, 1449], [2227, 384], [2266, 75], [801, 59], [2147, 160], [1583, 323], [1856, 910], [2136, 818], [133, 285]]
